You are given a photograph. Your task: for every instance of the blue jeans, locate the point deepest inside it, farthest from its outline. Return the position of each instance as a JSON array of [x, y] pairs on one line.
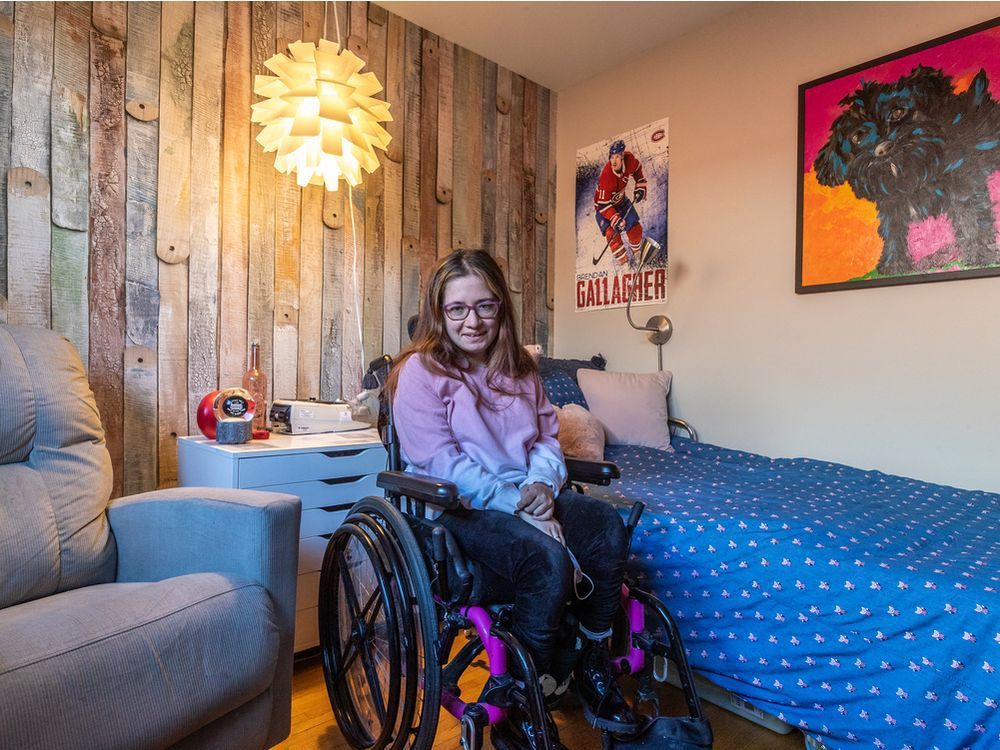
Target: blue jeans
[[522, 565]]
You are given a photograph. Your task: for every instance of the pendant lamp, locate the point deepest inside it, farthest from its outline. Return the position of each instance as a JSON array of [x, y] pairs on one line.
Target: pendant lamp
[[319, 116]]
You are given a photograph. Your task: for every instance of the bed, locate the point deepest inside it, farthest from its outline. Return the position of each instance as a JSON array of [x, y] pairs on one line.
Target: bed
[[859, 606]]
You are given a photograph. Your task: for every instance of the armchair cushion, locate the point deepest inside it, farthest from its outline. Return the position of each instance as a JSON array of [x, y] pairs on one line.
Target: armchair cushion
[[55, 471], [135, 664]]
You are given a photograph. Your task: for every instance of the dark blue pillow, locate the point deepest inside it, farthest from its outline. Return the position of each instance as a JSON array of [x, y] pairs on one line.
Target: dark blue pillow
[[549, 366], [563, 389]]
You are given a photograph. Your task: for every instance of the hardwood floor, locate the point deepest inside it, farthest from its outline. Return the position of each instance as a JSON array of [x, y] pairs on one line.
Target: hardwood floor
[[313, 727]]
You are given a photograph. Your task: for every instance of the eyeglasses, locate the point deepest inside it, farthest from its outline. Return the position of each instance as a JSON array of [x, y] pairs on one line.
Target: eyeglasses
[[486, 310]]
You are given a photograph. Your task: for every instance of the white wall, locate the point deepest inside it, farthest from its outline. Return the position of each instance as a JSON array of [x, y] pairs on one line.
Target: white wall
[[903, 379]]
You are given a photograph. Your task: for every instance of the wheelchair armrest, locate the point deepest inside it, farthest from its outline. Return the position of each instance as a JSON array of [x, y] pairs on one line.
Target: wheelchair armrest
[[592, 472], [437, 492]]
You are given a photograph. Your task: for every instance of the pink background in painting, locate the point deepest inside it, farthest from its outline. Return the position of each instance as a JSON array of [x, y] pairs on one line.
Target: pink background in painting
[[961, 59]]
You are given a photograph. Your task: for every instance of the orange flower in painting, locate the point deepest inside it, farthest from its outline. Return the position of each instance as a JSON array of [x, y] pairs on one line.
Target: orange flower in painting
[[839, 234]]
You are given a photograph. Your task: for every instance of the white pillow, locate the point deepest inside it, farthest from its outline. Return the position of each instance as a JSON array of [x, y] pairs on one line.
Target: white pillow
[[631, 406]]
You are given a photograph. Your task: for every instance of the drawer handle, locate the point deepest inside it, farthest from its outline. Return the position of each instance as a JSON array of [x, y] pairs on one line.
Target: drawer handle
[[335, 508], [341, 480], [347, 453]]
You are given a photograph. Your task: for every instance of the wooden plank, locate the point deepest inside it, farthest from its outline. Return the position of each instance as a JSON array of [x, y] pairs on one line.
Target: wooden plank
[[312, 22], [107, 240], [70, 122], [445, 145], [541, 217], [6, 74], [515, 199], [310, 327], [502, 105], [550, 279], [69, 288], [428, 155], [260, 286], [529, 275], [142, 294], [395, 78], [467, 219], [409, 294], [206, 139], [358, 39], [333, 300], [354, 269], [376, 15], [31, 84], [173, 218], [110, 19], [28, 230], [488, 177], [69, 115], [331, 364], [374, 253], [234, 198], [287, 225]]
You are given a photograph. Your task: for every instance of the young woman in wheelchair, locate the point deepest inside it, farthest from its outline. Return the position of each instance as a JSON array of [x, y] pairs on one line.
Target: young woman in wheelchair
[[469, 408]]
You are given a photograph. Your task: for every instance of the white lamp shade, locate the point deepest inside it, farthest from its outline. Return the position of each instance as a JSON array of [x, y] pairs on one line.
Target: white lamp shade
[[319, 116]]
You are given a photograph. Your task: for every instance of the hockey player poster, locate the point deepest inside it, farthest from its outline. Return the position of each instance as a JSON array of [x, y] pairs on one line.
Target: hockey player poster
[[621, 214]]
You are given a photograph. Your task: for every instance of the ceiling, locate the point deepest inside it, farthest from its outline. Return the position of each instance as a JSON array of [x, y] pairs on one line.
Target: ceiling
[[560, 44]]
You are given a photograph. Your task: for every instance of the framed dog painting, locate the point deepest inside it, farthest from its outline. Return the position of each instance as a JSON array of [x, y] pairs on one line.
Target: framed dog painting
[[899, 167]]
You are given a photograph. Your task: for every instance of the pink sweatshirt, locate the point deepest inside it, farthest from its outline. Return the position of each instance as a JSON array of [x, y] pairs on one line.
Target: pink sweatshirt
[[489, 453]]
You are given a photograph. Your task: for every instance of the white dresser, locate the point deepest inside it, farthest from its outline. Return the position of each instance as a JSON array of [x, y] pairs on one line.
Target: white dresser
[[330, 472]]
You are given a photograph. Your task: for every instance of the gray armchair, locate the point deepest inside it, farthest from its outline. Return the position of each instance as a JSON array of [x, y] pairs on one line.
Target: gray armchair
[[160, 620]]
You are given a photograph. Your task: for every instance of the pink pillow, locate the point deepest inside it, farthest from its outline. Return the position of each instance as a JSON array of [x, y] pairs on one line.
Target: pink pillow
[[580, 433], [631, 406]]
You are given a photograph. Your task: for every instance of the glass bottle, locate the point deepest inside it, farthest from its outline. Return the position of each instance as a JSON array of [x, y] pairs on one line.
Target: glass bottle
[[255, 381]]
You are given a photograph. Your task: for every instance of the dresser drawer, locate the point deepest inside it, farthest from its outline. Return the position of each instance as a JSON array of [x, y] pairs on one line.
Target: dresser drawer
[[306, 628], [265, 471], [311, 551], [307, 590], [322, 493], [318, 521]]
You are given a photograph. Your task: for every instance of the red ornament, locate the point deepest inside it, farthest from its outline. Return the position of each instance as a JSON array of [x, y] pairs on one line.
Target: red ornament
[[206, 415]]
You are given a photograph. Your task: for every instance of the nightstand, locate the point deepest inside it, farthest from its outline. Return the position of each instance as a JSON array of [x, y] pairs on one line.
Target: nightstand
[[329, 471]]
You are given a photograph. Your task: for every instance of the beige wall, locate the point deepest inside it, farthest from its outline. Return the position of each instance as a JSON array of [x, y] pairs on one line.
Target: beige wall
[[905, 379]]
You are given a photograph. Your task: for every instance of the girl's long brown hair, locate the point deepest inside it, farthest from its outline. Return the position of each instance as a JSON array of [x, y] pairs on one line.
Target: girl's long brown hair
[[506, 356]]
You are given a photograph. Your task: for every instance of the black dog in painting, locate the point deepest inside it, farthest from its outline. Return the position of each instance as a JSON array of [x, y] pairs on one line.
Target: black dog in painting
[[919, 150]]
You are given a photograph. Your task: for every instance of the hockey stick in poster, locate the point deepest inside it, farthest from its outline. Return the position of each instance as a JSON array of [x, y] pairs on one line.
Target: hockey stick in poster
[[598, 258]]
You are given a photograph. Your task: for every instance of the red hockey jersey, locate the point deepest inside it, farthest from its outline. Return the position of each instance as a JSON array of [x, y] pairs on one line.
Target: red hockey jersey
[[611, 187]]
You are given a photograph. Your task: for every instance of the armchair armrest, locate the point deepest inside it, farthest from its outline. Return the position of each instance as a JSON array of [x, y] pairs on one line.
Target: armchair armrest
[[437, 492], [591, 472], [246, 533]]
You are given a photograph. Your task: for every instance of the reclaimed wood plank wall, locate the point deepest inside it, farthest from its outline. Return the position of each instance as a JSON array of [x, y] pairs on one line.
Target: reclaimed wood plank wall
[[140, 218]]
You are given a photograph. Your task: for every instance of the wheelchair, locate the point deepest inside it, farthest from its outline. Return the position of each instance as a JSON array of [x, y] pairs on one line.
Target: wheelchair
[[396, 593]]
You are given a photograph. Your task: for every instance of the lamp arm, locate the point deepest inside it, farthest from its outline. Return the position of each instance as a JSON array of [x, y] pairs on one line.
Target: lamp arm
[[631, 295]]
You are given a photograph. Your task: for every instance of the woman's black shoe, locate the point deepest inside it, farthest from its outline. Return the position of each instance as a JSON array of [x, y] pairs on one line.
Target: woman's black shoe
[[598, 690], [518, 733]]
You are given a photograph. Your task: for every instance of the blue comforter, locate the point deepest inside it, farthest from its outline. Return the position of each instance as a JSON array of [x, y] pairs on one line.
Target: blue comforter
[[859, 606]]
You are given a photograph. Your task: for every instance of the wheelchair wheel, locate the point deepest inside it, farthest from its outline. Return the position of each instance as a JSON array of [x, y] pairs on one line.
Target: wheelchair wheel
[[414, 585], [359, 636], [391, 700]]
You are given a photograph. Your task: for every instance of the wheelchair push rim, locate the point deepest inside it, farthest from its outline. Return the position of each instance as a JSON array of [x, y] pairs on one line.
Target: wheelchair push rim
[[359, 637]]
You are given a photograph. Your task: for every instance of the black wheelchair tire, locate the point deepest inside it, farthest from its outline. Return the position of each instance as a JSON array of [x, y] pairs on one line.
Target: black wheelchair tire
[[423, 605], [347, 706], [394, 560]]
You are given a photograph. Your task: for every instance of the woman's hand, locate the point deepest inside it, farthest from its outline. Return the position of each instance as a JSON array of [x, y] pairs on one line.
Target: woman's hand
[[550, 526], [537, 501]]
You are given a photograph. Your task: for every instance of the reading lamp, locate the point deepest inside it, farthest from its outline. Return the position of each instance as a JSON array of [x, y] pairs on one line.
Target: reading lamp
[[659, 326]]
